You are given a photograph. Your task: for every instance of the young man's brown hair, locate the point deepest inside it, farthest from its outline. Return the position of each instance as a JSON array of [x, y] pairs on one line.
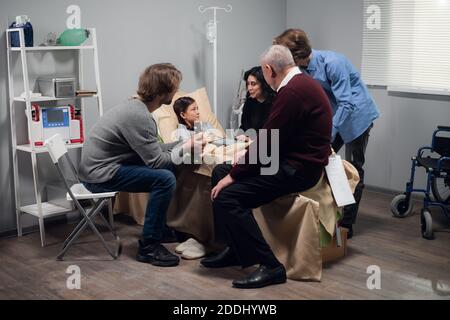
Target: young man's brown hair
[[297, 41], [158, 79]]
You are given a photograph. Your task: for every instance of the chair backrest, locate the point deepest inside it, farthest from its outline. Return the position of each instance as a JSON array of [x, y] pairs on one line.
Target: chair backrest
[[441, 141], [442, 146], [56, 147]]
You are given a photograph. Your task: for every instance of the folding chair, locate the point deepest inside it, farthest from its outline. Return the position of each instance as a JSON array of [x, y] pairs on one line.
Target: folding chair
[[57, 150]]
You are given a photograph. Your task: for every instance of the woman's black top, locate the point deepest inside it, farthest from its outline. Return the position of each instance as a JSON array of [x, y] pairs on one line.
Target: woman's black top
[[254, 114]]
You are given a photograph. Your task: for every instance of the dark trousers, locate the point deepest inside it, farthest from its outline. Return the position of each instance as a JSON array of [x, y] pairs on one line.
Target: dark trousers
[[160, 183], [355, 154], [234, 222]]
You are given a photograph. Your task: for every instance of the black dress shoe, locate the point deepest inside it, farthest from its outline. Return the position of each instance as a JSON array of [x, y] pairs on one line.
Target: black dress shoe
[[226, 258], [261, 277]]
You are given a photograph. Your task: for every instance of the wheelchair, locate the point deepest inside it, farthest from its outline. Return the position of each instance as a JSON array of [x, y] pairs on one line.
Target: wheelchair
[[436, 161]]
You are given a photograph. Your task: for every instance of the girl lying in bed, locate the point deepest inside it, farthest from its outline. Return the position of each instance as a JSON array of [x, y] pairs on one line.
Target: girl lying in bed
[[188, 115], [189, 123]]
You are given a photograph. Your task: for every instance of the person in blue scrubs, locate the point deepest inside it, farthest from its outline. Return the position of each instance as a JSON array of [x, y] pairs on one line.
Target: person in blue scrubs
[[354, 110]]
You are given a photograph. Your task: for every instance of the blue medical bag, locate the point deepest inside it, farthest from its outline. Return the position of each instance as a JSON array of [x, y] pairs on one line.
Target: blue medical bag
[[28, 34]]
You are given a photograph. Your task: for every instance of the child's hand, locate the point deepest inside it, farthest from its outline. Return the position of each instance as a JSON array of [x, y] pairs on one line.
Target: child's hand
[[197, 142], [242, 137]]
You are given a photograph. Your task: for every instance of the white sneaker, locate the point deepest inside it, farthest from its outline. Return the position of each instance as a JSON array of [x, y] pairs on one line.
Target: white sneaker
[[194, 250], [193, 253], [184, 245], [191, 249]]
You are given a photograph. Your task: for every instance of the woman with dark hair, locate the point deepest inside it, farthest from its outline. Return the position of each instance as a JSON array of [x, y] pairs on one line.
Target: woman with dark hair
[[258, 102]]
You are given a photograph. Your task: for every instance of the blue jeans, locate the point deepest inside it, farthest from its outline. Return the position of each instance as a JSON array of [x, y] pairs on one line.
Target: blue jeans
[[160, 183]]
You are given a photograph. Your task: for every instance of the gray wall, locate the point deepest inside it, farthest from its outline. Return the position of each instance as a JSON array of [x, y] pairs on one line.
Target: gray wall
[[137, 33], [407, 121]]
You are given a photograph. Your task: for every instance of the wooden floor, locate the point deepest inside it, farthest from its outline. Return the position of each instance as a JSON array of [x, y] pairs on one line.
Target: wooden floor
[[411, 267]]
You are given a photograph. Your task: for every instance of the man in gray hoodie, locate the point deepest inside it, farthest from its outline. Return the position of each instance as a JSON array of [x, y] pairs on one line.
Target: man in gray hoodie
[[123, 153]]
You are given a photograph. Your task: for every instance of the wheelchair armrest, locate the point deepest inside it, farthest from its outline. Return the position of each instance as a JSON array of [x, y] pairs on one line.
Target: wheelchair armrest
[[420, 151]]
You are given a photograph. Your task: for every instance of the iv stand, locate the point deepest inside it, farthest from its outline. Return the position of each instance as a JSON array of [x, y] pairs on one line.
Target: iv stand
[[212, 37]]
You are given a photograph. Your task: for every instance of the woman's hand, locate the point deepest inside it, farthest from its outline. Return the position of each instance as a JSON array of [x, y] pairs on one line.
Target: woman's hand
[[225, 182]]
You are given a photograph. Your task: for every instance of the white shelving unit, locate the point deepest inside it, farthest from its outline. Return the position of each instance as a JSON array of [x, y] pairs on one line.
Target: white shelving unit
[[41, 209], [44, 99], [52, 48]]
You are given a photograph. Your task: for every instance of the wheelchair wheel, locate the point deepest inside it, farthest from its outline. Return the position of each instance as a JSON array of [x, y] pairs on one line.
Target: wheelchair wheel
[[440, 187], [426, 222], [400, 207]]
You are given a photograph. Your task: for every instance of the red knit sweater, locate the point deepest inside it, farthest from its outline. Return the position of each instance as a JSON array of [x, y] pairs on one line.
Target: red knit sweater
[[302, 113]]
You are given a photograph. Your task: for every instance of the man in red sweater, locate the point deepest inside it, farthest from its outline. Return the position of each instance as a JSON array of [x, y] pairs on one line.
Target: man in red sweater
[[301, 115]]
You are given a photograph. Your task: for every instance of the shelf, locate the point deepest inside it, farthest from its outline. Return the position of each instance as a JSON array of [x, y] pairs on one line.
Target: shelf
[[50, 48], [43, 99], [18, 56], [48, 209], [27, 148]]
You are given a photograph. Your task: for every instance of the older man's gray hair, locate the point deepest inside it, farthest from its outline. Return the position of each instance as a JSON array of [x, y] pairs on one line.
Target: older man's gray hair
[[278, 57]]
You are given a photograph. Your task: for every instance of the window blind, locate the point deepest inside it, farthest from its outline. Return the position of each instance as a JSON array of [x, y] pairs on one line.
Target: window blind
[[410, 51]]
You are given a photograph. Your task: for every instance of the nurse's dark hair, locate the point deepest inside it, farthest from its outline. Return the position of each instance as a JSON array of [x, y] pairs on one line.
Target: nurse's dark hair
[[268, 93], [296, 41], [180, 105], [157, 80]]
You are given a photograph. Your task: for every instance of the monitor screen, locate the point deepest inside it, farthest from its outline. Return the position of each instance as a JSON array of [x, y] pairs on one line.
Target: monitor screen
[[56, 115]]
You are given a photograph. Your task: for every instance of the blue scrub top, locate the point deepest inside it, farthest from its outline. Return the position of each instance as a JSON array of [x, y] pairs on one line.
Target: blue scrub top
[[353, 107]]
